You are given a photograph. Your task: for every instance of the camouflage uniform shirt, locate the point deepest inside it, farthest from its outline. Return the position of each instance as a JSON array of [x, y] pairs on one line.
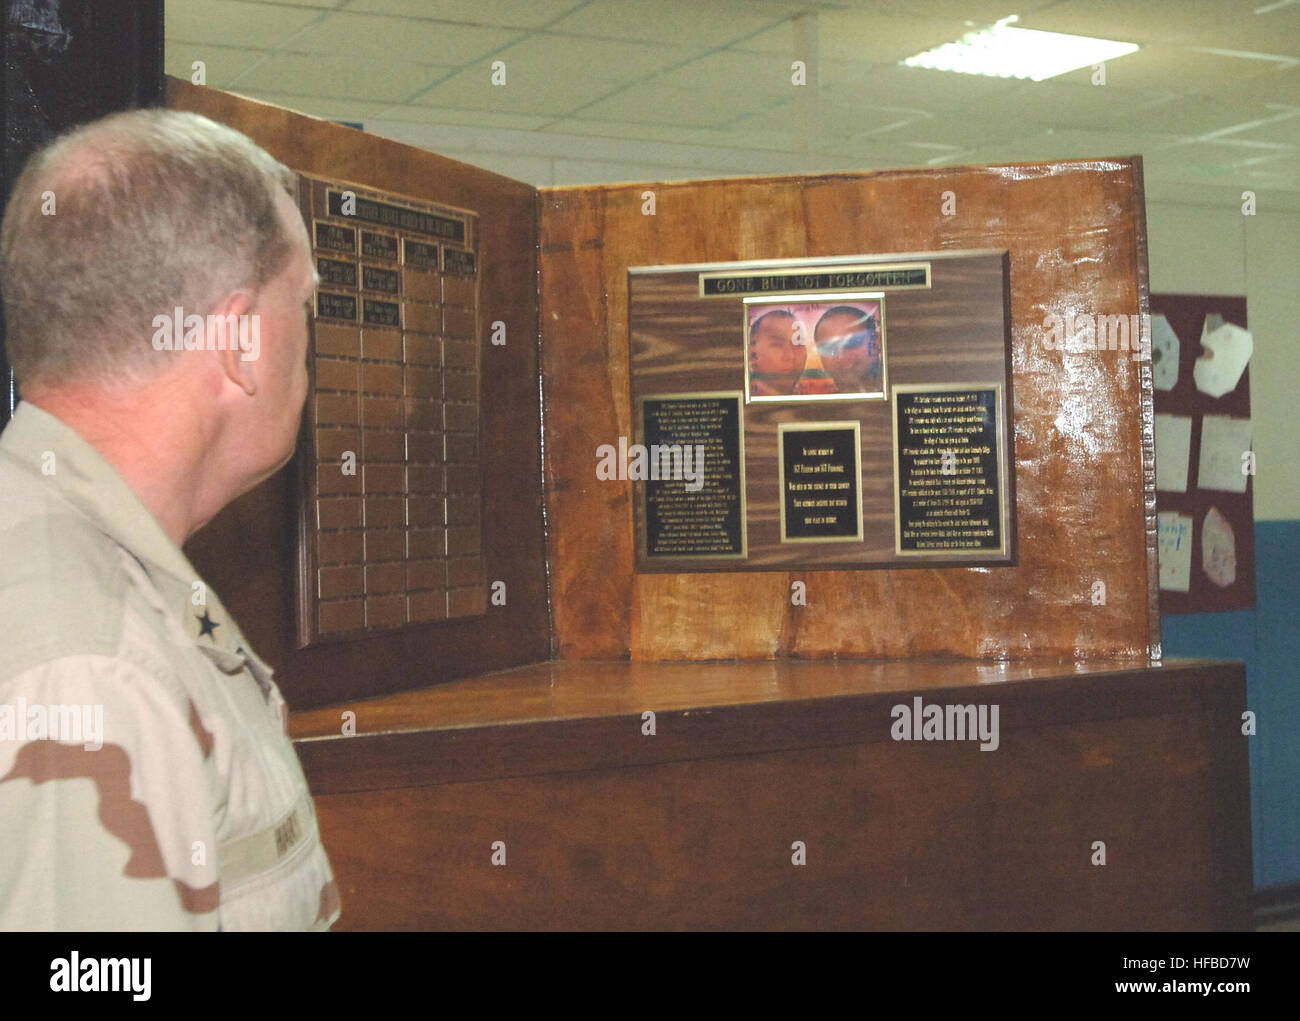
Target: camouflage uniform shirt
[[185, 806]]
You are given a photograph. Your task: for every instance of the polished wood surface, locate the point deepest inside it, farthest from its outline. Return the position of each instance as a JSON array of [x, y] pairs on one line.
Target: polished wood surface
[[1085, 510], [248, 551], [605, 826]]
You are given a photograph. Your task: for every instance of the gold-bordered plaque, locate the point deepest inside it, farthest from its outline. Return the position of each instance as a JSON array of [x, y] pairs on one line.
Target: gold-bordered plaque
[[380, 279], [336, 272], [814, 473], [341, 308], [797, 276], [333, 237], [945, 506], [815, 347], [721, 505]]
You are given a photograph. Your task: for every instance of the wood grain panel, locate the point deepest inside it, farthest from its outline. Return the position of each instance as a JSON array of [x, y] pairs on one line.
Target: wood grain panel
[[1075, 236], [247, 552], [606, 827]]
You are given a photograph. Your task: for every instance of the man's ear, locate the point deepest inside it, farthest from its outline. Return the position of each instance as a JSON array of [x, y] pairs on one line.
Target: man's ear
[[233, 318]]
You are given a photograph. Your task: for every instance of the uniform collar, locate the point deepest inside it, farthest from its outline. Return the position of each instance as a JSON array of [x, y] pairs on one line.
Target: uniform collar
[[61, 458]]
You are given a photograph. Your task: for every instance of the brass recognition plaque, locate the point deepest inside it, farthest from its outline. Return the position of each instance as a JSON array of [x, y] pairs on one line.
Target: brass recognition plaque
[[872, 412], [391, 530]]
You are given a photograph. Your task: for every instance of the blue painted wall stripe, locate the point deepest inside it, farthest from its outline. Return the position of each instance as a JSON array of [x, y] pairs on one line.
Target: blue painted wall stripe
[[1268, 639]]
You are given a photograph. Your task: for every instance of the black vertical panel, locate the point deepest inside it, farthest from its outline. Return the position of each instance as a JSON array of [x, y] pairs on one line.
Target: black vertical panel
[[68, 62]]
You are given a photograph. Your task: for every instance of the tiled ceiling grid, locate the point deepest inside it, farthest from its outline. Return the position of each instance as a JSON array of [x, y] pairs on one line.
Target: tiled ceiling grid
[[1212, 98]]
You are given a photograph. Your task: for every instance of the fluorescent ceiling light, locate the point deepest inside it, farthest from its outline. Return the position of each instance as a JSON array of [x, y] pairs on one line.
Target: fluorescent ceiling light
[[1005, 52]]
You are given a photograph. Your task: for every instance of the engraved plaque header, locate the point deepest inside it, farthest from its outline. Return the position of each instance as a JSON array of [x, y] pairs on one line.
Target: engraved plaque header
[[404, 218]]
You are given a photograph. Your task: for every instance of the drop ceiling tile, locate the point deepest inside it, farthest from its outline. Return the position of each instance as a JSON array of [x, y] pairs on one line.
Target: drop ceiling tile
[[777, 141], [658, 104], [871, 39], [779, 40], [938, 92], [1183, 116], [1074, 105], [959, 132], [377, 38], [1222, 24], [783, 114], [1171, 69], [1203, 158], [851, 119], [221, 63], [420, 114], [324, 4], [235, 23], [871, 154], [858, 38], [1282, 129], [472, 89], [977, 12], [541, 57], [685, 23], [367, 80], [662, 135], [729, 72], [596, 128], [1073, 144], [1255, 96], [487, 13]]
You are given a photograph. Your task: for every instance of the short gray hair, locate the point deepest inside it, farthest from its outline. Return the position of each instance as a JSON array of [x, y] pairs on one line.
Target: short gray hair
[[153, 209]]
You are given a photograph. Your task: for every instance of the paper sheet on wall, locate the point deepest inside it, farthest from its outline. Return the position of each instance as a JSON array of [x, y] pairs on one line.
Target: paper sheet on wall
[[1228, 348], [1223, 442], [1173, 452], [1175, 551], [1218, 548], [1164, 353]]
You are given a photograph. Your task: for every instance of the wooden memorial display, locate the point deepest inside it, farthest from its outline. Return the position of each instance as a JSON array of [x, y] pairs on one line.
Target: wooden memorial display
[[919, 482]]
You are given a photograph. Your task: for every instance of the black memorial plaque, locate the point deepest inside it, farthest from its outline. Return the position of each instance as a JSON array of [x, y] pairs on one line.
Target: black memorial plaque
[[820, 480], [948, 477], [339, 274], [331, 237], [421, 255], [457, 263], [692, 466], [381, 313], [378, 246], [373, 278], [336, 306]]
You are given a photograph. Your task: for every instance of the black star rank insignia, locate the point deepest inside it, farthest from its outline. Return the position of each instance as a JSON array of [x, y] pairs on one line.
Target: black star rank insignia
[[206, 625]]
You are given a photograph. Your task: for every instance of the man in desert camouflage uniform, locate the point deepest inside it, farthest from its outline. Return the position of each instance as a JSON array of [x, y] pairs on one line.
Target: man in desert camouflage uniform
[[146, 777]]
